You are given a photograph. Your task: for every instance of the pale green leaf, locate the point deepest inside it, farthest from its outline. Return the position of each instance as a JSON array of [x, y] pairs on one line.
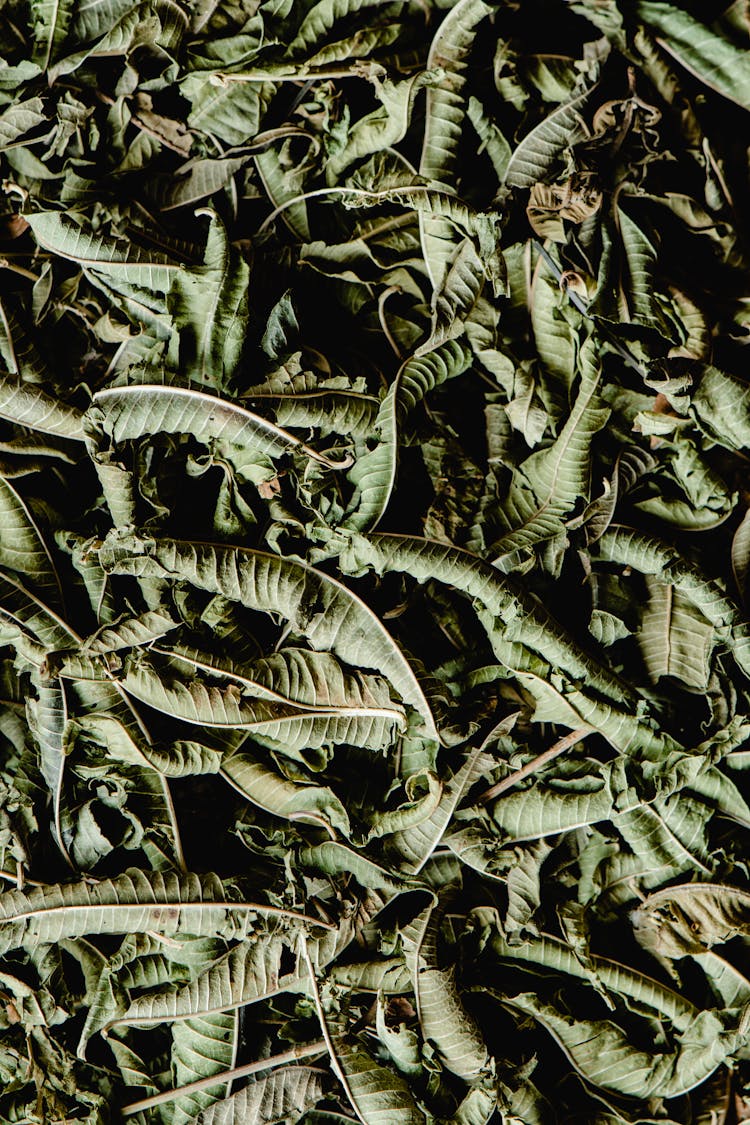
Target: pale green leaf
[[374, 473], [691, 918], [17, 120], [320, 21], [135, 901], [330, 616], [602, 1053], [51, 24], [537, 152], [115, 259], [653, 557], [202, 1046], [707, 54], [245, 974], [269, 790], [675, 639], [445, 113], [547, 485], [209, 302], [128, 413], [22, 547], [26, 405], [282, 1096], [379, 1096]]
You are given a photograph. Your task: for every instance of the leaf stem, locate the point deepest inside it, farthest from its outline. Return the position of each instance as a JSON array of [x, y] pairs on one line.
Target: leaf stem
[[303, 1051], [387, 196], [384, 322], [221, 78], [28, 274], [20, 881], [535, 764]]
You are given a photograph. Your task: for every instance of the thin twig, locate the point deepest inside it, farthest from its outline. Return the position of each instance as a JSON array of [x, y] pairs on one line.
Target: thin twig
[[512, 779], [303, 1051], [222, 78], [28, 274]]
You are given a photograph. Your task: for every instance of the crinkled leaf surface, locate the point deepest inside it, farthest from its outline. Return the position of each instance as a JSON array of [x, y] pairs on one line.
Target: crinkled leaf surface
[[374, 547]]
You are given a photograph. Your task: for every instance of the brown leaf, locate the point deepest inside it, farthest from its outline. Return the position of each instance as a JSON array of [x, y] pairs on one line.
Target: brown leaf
[[12, 226], [575, 199]]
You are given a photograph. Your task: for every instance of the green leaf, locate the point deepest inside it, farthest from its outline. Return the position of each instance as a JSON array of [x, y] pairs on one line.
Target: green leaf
[[454, 300], [284, 186], [128, 413], [334, 858], [379, 1096], [603, 1055], [320, 20], [198, 180], [642, 297], [27, 405], [116, 260], [294, 731], [129, 632], [554, 333], [707, 54], [691, 918], [230, 111], [741, 555], [17, 120], [492, 141], [269, 790], [443, 1018], [547, 484], [314, 681], [329, 412], [675, 639], [732, 989], [649, 556], [51, 24], [445, 112], [47, 717], [134, 902], [446, 106], [178, 759], [92, 21], [321, 608], [721, 405], [245, 974], [417, 842], [374, 473], [384, 127], [389, 976], [201, 1047], [638, 990], [504, 607], [22, 547], [283, 1095], [160, 24], [210, 305], [537, 152]]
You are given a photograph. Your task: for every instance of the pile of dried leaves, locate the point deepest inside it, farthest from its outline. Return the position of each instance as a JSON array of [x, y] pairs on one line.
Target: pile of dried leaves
[[374, 541]]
